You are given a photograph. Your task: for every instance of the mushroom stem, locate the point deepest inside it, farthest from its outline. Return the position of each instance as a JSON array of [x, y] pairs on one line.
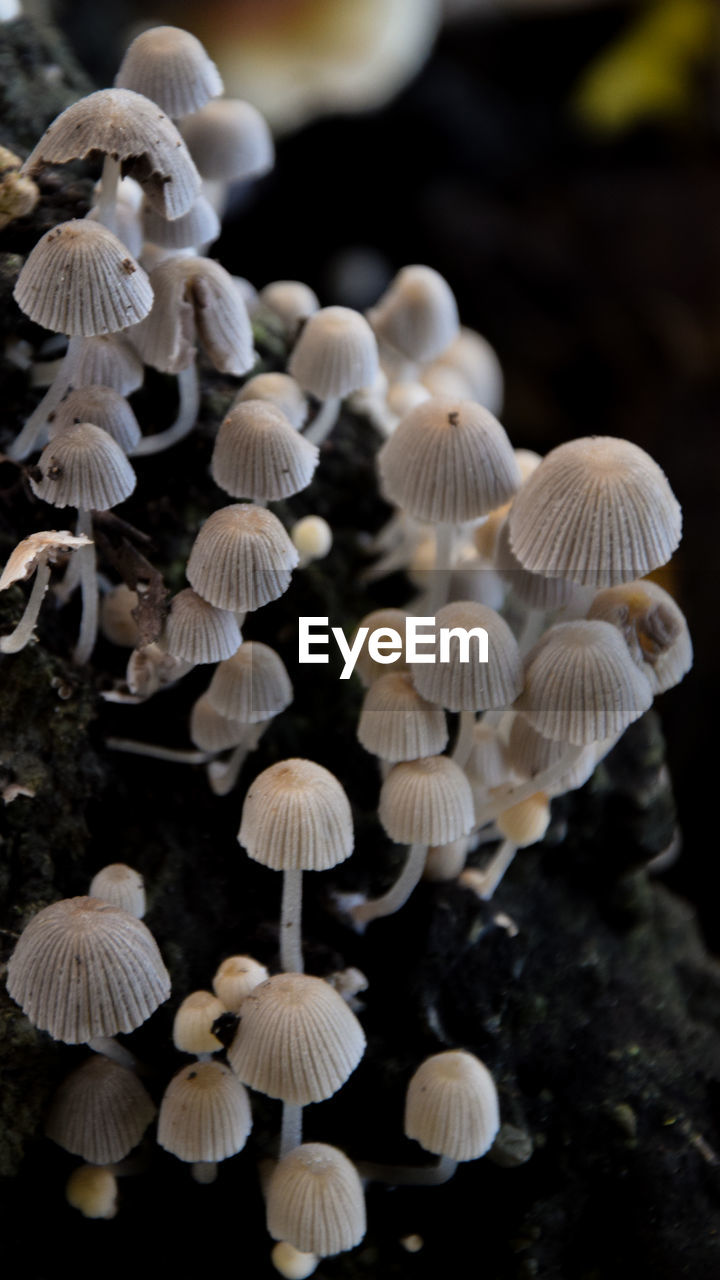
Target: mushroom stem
[[324, 421], [401, 1175], [89, 587], [105, 209], [188, 408], [464, 741], [204, 1171], [398, 894], [223, 774], [485, 882], [440, 584], [291, 1132], [32, 434], [543, 781], [108, 1047], [24, 629], [291, 957], [158, 753], [71, 577]]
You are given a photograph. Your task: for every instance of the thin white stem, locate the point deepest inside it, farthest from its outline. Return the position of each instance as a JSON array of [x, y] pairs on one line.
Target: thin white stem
[[205, 1172], [108, 1047], [291, 1132], [440, 582], [511, 795], [156, 752], [323, 422], [24, 629], [33, 433], [464, 741], [223, 774], [485, 882], [188, 408], [89, 586], [398, 894], [71, 577], [291, 957], [401, 1175], [105, 210]]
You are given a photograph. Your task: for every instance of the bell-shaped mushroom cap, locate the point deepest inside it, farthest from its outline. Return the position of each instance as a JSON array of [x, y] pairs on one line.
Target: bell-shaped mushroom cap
[[488, 764], [122, 886], [297, 1039], [80, 280], [212, 732], [581, 685], [128, 126], [192, 1027], [449, 461], [426, 802], [296, 816], [83, 968], [93, 1190], [83, 467], [531, 754], [335, 354], [170, 66], [196, 297], [100, 1112], [253, 685], [654, 629], [418, 314], [472, 356], [451, 1107], [290, 300], [236, 978], [598, 510], [380, 620], [396, 723], [205, 1114], [464, 683], [229, 140], [526, 822], [315, 1201], [106, 360], [198, 632], [199, 226], [278, 389], [258, 454], [531, 589], [241, 559], [105, 408]]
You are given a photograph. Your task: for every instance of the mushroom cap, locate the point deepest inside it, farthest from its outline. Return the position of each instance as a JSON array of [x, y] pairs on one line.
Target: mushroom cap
[[489, 763], [205, 1114], [598, 510], [259, 454], [278, 389], [313, 538], [195, 298], [526, 822], [426, 801], [335, 354], [200, 226], [83, 467], [107, 360], [212, 732], [93, 1190], [241, 559], [451, 1106], [315, 1201], [654, 629], [297, 1039], [131, 128], [229, 140], [380, 620], [236, 977], [397, 723], [472, 356], [192, 1026], [290, 300], [100, 1112], [531, 589], [171, 67], [581, 685], [296, 816], [198, 632], [448, 461], [80, 280], [417, 315], [251, 686], [122, 886], [105, 408], [116, 616], [472, 685], [83, 968]]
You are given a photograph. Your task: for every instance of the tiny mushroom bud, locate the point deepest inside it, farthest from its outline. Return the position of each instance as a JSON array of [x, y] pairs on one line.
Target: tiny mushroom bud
[[236, 978], [313, 538], [192, 1028], [93, 1190], [120, 885]]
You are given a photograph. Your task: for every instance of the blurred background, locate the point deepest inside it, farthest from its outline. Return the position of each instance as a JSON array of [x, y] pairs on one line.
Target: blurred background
[[559, 163]]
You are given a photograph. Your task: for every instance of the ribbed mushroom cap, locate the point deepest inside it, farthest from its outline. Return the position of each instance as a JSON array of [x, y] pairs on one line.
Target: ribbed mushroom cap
[[196, 298], [83, 968], [530, 754], [105, 408], [451, 1107], [229, 140], [418, 314], [315, 1201], [297, 1039], [93, 1190], [212, 732], [290, 300], [80, 280], [598, 510], [236, 977], [192, 1026], [131, 128], [259, 454], [448, 460], [205, 1114], [83, 467], [335, 354], [380, 620], [170, 66], [198, 632], [241, 559], [106, 360], [531, 589], [278, 389], [581, 685], [654, 629], [296, 816], [253, 685], [100, 1112], [472, 685], [489, 762], [472, 356], [120, 885], [396, 723], [426, 802], [526, 822], [199, 226]]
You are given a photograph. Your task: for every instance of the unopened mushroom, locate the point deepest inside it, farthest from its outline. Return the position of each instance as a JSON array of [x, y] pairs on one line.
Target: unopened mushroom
[[192, 1028], [236, 977], [93, 1190], [653, 627]]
